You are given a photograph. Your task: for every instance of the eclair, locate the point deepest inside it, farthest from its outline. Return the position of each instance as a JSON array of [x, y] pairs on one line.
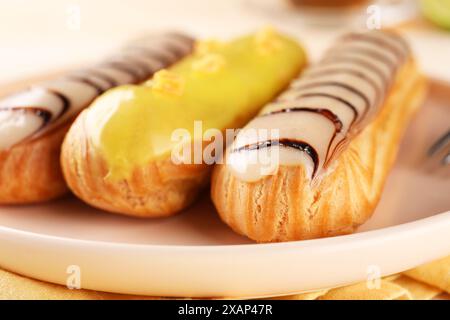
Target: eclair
[[34, 121], [314, 161], [121, 153]]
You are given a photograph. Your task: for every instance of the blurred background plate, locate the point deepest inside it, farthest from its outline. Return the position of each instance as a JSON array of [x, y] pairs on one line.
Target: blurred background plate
[[194, 255], [61, 33]]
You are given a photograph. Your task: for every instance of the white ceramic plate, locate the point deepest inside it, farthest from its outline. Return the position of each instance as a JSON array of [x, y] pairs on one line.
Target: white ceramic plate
[[195, 255]]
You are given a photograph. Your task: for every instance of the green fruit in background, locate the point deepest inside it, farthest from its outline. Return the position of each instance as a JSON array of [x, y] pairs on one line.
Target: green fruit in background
[[437, 11]]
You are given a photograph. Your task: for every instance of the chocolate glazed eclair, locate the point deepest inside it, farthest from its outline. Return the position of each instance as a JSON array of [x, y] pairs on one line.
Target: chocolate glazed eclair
[[338, 129], [33, 122]]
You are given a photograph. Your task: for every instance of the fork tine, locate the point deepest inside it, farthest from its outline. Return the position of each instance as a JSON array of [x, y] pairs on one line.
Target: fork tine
[[446, 159]]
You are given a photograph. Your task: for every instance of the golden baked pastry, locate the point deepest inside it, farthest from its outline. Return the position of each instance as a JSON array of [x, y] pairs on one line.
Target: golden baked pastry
[[338, 129], [33, 122], [119, 154]]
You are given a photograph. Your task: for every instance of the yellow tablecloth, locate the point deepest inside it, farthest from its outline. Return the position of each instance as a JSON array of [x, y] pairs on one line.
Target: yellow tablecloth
[[426, 282]]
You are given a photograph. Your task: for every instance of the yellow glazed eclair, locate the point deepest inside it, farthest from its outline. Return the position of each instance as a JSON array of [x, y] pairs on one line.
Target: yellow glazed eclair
[[118, 155], [330, 141], [34, 121]]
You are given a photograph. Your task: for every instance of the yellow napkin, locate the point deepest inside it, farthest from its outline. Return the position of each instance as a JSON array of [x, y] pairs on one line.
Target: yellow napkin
[[13, 286], [417, 290], [387, 290], [436, 273], [424, 282]]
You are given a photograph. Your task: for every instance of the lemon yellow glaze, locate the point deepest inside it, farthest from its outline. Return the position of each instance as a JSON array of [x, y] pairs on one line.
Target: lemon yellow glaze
[[221, 84]]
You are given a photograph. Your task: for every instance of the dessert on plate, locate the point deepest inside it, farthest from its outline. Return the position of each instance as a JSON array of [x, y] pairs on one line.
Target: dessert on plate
[[338, 128], [119, 153]]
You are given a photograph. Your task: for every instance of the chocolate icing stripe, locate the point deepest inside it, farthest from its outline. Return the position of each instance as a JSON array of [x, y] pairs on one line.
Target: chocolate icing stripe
[[153, 54], [341, 85], [374, 55], [64, 100], [124, 68], [142, 65], [399, 39], [175, 49], [360, 62], [330, 96], [329, 115], [45, 115], [327, 69], [321, 111], [367, 53], [342, 70], [289, 143], [87, 81], [401, 55], [132, 63], [379, 91], [111, 82]]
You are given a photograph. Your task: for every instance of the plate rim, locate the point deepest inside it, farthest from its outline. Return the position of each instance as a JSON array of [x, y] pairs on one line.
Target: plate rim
[[288, 252], [320, 242]]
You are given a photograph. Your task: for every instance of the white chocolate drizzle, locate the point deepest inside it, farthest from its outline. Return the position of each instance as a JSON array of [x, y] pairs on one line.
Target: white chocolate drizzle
[[32, 112], [323, 109]]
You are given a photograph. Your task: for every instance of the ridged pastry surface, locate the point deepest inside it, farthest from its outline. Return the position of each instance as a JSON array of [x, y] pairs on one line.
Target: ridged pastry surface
[[30, 172], [158, 189]]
